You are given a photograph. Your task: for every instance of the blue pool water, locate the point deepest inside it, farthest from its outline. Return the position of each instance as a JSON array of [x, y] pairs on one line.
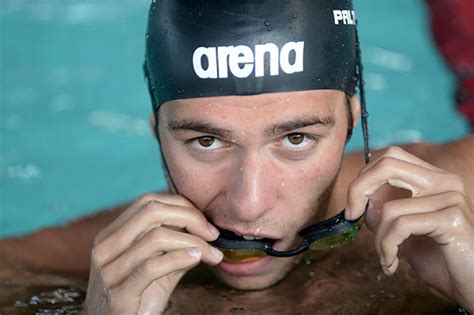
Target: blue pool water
[[74, 135]]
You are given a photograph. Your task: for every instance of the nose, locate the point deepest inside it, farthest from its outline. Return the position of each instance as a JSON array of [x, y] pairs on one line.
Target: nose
[[252, 190]]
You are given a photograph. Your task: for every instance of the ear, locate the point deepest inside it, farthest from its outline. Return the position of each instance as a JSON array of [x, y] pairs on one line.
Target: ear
[[355, 109], [152, 124]]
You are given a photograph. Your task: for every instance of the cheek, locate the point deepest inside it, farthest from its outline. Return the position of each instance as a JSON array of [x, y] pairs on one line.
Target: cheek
[[194, 181], [304, 187], [324, 166]]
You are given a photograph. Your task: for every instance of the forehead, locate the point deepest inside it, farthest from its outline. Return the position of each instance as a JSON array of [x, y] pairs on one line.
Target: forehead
[[256, 107]]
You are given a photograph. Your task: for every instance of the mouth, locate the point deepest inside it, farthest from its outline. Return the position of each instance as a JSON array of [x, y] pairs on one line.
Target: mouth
[[242, 248], [245, 235]]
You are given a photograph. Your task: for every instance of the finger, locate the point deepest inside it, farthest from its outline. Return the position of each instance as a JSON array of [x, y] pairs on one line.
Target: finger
[[399, 153], [156, 242], [395, 172], [396, 208], [137, 205], [153, 214], [432, 224], [155, 268]]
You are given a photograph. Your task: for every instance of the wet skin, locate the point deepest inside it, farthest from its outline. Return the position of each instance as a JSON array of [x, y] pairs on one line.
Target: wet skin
[[279, 192]]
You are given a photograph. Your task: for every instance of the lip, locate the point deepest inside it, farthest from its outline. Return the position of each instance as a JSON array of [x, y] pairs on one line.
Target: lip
[[248, 233], [245, 269]]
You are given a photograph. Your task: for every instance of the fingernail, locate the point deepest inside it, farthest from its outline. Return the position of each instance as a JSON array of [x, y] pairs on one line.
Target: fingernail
[[195, 252], [217, 253], [384, 266], [348, 214], [213, 229]]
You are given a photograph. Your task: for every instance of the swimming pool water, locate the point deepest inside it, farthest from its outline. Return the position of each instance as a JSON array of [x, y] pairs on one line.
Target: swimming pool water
[[74, 133]]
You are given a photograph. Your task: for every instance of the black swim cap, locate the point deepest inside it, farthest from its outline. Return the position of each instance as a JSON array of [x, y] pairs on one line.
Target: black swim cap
[[246, 47]]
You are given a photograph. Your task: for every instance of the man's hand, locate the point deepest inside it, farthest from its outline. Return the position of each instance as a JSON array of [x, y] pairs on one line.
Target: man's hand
[[434, 229], [137, 260]]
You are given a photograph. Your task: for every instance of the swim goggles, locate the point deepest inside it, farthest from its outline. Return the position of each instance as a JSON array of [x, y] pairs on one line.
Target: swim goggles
[[327, 234]]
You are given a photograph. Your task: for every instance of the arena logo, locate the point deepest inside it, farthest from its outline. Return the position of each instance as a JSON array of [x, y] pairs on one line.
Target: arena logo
[[241, 60], [347, 17]]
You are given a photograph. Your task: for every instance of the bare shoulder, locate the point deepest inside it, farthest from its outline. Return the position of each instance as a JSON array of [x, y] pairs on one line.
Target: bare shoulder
[[456, 156]]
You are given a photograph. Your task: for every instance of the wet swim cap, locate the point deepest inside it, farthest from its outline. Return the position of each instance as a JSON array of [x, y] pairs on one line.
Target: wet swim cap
[[203, 48], [247, 47]]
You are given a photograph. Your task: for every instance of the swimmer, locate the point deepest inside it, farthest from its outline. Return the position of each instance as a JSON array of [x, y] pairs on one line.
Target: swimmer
[[252, 104]]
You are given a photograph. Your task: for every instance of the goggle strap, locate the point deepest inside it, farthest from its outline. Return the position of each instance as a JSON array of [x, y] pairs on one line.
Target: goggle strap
[[364, 112]]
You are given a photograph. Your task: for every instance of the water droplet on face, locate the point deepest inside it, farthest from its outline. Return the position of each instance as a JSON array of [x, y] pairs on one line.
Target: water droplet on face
[[294, 16], [269, 29], [267, 23]]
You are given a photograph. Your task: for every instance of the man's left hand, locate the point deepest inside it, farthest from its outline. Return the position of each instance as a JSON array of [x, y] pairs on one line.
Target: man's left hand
[[433, 229]]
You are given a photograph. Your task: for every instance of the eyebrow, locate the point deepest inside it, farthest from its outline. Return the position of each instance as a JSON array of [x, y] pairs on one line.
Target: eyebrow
[[199, 127], [298, 123], [277, 129]]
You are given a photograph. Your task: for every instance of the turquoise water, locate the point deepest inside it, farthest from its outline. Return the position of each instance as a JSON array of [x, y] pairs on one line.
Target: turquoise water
[[74, 135]]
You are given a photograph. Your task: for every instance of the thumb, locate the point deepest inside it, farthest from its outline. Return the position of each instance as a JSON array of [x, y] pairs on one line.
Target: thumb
[[372, 216]]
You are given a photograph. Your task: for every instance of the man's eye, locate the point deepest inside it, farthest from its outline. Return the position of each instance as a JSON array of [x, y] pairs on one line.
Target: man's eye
[[297, 141], [206, 141], [295, 138]]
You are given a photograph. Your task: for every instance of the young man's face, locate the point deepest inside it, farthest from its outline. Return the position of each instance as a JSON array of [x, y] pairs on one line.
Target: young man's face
[[259, 165]]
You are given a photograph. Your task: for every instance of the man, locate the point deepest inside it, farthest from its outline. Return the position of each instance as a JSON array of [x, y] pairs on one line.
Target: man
[[253, 102]]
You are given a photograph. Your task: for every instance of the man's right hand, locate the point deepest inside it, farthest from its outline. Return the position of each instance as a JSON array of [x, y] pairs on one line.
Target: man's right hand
[[139, 258]]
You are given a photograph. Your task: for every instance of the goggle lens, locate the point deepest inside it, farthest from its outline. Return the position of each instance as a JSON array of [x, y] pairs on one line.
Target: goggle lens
[[337, 239], [242, 254]]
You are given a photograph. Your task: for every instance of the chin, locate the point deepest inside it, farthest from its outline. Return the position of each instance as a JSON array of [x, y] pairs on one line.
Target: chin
[[275, 270]]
